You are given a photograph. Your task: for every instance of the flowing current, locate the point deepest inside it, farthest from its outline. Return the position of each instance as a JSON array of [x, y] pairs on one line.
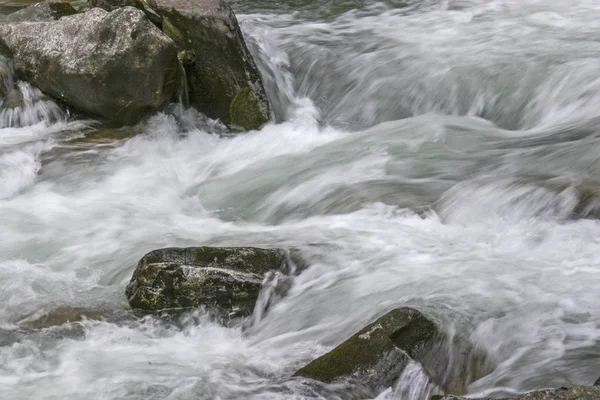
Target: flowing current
[[437, 154]]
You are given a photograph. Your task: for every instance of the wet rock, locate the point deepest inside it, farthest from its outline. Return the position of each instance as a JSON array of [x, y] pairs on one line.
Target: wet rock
[[49, 10], [222, 79], [377, 354], [227, 279], [571, 393], [13, 99], [61, 316], [114, 65], [6, 75]]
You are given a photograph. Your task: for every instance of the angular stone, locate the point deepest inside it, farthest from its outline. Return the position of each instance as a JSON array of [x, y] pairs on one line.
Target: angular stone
[[223, 80], [371, 355]]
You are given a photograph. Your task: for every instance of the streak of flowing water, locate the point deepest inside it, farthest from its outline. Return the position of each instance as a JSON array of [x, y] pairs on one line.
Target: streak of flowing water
[[441, 155]]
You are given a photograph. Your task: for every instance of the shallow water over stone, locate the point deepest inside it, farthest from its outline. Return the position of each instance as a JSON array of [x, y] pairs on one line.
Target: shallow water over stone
[[441, 155]]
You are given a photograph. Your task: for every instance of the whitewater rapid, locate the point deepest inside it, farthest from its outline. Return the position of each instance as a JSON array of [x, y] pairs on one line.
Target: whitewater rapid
[[441, 155]]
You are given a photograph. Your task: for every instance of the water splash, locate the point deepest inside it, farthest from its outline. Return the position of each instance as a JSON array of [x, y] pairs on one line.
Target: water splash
[[30, 107]]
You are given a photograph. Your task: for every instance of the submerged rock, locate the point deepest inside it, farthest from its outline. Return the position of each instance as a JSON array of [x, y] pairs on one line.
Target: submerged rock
[[114, 65], [49, 10], [378, 353], [229, 278], [565, 393], [61, 316]]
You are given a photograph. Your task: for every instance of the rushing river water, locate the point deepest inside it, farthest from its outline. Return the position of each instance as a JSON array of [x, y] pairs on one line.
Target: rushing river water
[[438, 154]]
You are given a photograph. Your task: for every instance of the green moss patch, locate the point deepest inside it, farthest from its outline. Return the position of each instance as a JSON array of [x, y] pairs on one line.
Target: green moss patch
[[246, 111]]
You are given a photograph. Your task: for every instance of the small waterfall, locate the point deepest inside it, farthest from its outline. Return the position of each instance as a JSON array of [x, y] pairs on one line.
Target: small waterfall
[[412, 384], [22, 104], [270, 287]]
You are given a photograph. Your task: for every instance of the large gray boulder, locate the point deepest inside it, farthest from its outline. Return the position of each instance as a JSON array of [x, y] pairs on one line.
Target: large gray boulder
[[227, 279], [377, 354], [115, 65], [565, 393], [222, 79]]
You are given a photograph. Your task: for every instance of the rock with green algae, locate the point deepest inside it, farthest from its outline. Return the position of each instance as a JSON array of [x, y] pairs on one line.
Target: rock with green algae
[[223, 278], [115, 65], [564, 393], [49, 10], [378, 353], [222, 78]]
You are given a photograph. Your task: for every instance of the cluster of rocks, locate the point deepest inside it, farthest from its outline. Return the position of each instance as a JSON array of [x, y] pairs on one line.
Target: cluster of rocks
[[229, 281], [118, 60]]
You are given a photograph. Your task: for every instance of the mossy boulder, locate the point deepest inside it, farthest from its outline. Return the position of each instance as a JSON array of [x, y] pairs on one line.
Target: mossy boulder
[[49, 10], [221, 77], [223, 80], [225, 279], [564, 393], [116, 65], [378, 353]]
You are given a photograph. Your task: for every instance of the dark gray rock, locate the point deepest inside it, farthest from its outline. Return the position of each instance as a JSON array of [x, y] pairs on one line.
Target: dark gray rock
[[49, 10], [223, 80], [6, 75], [570, 393], [378, 353], [114, 65], [227, 279]]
